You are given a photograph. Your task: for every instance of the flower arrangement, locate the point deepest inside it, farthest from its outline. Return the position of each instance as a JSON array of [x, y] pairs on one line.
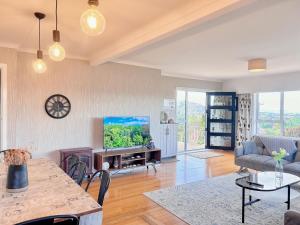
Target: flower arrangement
[[278, 156], [16, 156]]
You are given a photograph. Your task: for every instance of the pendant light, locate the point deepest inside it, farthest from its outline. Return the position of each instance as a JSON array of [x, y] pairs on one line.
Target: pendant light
[[92, 22], [39, 65], [56, 51], [257, 65]]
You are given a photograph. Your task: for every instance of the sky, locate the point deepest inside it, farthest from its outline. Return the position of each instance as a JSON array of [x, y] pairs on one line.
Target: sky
[[130, 120]]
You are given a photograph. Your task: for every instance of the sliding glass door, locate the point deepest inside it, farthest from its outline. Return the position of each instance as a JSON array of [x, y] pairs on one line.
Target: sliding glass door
[[191, 119]]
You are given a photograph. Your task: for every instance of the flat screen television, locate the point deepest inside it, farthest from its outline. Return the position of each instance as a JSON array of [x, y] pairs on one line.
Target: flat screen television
[[126, 132]]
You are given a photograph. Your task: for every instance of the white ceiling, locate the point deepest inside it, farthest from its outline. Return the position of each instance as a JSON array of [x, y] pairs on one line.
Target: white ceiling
[[19, 27], [131, 24], [219, 49]]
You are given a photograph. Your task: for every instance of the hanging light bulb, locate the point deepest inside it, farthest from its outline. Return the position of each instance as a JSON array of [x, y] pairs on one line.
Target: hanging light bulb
[[92, 22], [39, 65], [56, 51]]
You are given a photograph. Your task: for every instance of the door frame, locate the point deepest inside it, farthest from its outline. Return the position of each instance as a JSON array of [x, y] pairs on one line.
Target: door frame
[[3, 106]]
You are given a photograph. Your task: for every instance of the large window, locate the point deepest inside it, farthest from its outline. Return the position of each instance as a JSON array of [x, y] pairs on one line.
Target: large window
[[278, 113]]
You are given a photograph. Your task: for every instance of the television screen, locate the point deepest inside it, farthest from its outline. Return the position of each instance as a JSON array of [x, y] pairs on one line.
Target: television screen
[[126, 132]]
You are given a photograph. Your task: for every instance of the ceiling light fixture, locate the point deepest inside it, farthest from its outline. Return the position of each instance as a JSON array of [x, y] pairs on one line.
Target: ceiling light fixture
[[92, 21], [257, 65], [56, 51], [39, 65]]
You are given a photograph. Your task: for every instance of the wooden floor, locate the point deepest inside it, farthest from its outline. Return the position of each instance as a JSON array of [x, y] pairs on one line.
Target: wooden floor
[[125, 203]]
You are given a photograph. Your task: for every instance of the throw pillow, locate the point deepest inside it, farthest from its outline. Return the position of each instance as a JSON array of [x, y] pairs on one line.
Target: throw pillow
[[260, 150], [250, 148]]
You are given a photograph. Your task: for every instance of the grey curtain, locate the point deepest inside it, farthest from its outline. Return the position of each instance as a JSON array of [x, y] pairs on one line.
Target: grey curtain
[[244, 120]]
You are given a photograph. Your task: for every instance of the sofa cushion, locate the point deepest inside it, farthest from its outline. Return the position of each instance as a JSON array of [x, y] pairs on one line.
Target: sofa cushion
[[259, 145], [257, 141], [293, 168], [275, 143], [249, 147], [269, 165], [297, 156], [253, 161]]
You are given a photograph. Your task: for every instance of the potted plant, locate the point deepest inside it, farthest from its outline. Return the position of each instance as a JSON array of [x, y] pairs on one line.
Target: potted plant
[[278, 156], [148, 142], [17, 175]]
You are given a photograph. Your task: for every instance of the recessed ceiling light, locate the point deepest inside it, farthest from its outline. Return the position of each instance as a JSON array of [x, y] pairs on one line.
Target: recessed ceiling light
[[257, 65]]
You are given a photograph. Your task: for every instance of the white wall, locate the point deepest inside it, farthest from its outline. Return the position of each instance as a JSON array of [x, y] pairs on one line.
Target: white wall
[[94, 92], [278, 82]]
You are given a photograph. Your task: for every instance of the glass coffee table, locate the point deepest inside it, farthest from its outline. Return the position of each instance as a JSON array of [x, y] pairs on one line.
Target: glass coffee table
[[265, 181]]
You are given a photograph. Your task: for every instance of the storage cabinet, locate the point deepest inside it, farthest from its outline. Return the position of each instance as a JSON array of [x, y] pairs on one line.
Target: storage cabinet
[[168, 140], [84, 154]]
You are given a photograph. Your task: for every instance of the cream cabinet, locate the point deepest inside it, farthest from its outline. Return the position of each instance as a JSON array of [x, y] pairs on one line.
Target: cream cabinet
[[168, 140]]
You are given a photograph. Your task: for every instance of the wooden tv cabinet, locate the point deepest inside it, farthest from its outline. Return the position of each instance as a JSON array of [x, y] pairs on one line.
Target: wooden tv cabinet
[[127, 158]]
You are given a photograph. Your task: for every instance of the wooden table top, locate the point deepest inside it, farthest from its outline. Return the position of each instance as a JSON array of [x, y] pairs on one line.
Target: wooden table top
[[50, 192]]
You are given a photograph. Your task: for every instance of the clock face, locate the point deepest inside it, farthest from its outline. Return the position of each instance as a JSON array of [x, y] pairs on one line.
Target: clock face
[[58, 106]]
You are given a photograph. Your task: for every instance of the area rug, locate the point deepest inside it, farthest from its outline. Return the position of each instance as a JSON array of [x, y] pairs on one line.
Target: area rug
[[217, 201], [205, 154]]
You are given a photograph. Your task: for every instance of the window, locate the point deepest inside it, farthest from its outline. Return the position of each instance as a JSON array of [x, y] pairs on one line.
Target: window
[[269, 113], [277, 113], [292, 114]]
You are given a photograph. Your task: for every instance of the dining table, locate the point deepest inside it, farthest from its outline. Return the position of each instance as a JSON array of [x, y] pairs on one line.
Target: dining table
[[50, 192]]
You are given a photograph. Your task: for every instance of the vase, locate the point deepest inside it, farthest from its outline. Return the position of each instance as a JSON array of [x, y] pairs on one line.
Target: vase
[[279, 169], [17, 178]]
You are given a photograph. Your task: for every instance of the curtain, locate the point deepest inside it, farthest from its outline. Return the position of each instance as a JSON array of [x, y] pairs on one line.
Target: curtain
[[244, 120]]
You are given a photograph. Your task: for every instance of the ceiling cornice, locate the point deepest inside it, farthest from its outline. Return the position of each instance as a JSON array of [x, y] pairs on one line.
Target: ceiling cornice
[[167, 73], [33, 51], [190, 76], [190, 15]]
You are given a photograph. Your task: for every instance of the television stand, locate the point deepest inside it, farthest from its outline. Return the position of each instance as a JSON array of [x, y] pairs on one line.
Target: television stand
[[122, 159]]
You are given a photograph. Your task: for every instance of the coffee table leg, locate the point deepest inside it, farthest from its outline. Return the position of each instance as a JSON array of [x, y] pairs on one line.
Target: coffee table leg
[[289, 197], [243, 206]]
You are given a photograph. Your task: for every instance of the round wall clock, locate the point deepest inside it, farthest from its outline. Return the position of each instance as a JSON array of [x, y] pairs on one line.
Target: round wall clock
[[58, 106]]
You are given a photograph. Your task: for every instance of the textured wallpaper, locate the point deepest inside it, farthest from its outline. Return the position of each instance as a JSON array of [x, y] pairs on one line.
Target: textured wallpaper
[[110, 89]]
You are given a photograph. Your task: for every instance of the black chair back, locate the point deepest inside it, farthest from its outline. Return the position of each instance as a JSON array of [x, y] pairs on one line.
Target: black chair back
[[53, 220], [69, 162], [77, 172], [104, 184]]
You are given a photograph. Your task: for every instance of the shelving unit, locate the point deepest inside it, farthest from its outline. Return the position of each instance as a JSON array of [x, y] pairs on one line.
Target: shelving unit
[[127, 158]]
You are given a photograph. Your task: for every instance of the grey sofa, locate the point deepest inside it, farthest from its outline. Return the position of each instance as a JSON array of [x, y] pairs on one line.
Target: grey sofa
[[263, 161]]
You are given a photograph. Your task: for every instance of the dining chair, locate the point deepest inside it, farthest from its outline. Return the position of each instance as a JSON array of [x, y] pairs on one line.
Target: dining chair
[[68, 162], [53, 220], [77, 172], [104, 178]]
